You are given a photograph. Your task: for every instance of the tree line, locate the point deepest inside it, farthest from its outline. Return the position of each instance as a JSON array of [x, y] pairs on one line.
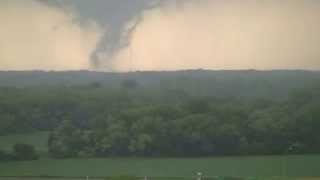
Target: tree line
[[20, 152], [96, 121], [196, 127]]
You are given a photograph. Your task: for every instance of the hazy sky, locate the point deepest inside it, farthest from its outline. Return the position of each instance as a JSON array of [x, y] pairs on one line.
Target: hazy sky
[[122, 35]]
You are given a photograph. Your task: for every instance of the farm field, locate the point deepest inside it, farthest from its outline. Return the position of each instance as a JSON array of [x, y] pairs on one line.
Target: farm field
[[259, 166]]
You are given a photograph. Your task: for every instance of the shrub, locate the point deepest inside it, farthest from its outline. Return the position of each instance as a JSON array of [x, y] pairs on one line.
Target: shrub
[[24, 152], [4, 156]]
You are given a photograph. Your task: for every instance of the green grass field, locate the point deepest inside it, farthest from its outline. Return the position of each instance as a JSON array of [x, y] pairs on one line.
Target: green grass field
[[262, 166], [251, 166]]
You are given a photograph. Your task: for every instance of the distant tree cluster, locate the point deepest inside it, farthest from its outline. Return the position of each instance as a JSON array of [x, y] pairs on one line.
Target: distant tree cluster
[[196, 127], [20, 152], [100, 121]]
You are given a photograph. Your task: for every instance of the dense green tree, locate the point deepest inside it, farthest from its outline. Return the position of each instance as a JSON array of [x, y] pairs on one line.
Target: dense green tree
[[88, 121], [5, 156], [24, 152], [130, 83]]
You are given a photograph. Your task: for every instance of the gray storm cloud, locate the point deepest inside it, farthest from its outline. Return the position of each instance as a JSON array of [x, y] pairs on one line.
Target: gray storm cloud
[[224, 35], [36, 36], [175, 34]]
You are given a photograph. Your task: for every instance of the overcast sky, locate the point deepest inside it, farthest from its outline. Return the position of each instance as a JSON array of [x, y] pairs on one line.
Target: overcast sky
[[126, 35]]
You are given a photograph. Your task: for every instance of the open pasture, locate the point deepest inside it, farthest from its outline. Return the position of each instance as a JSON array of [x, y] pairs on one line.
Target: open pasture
[[251, 166]]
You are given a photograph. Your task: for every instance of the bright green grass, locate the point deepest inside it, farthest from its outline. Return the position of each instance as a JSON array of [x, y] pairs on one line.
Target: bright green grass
[[260, 166], [38, 140]]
